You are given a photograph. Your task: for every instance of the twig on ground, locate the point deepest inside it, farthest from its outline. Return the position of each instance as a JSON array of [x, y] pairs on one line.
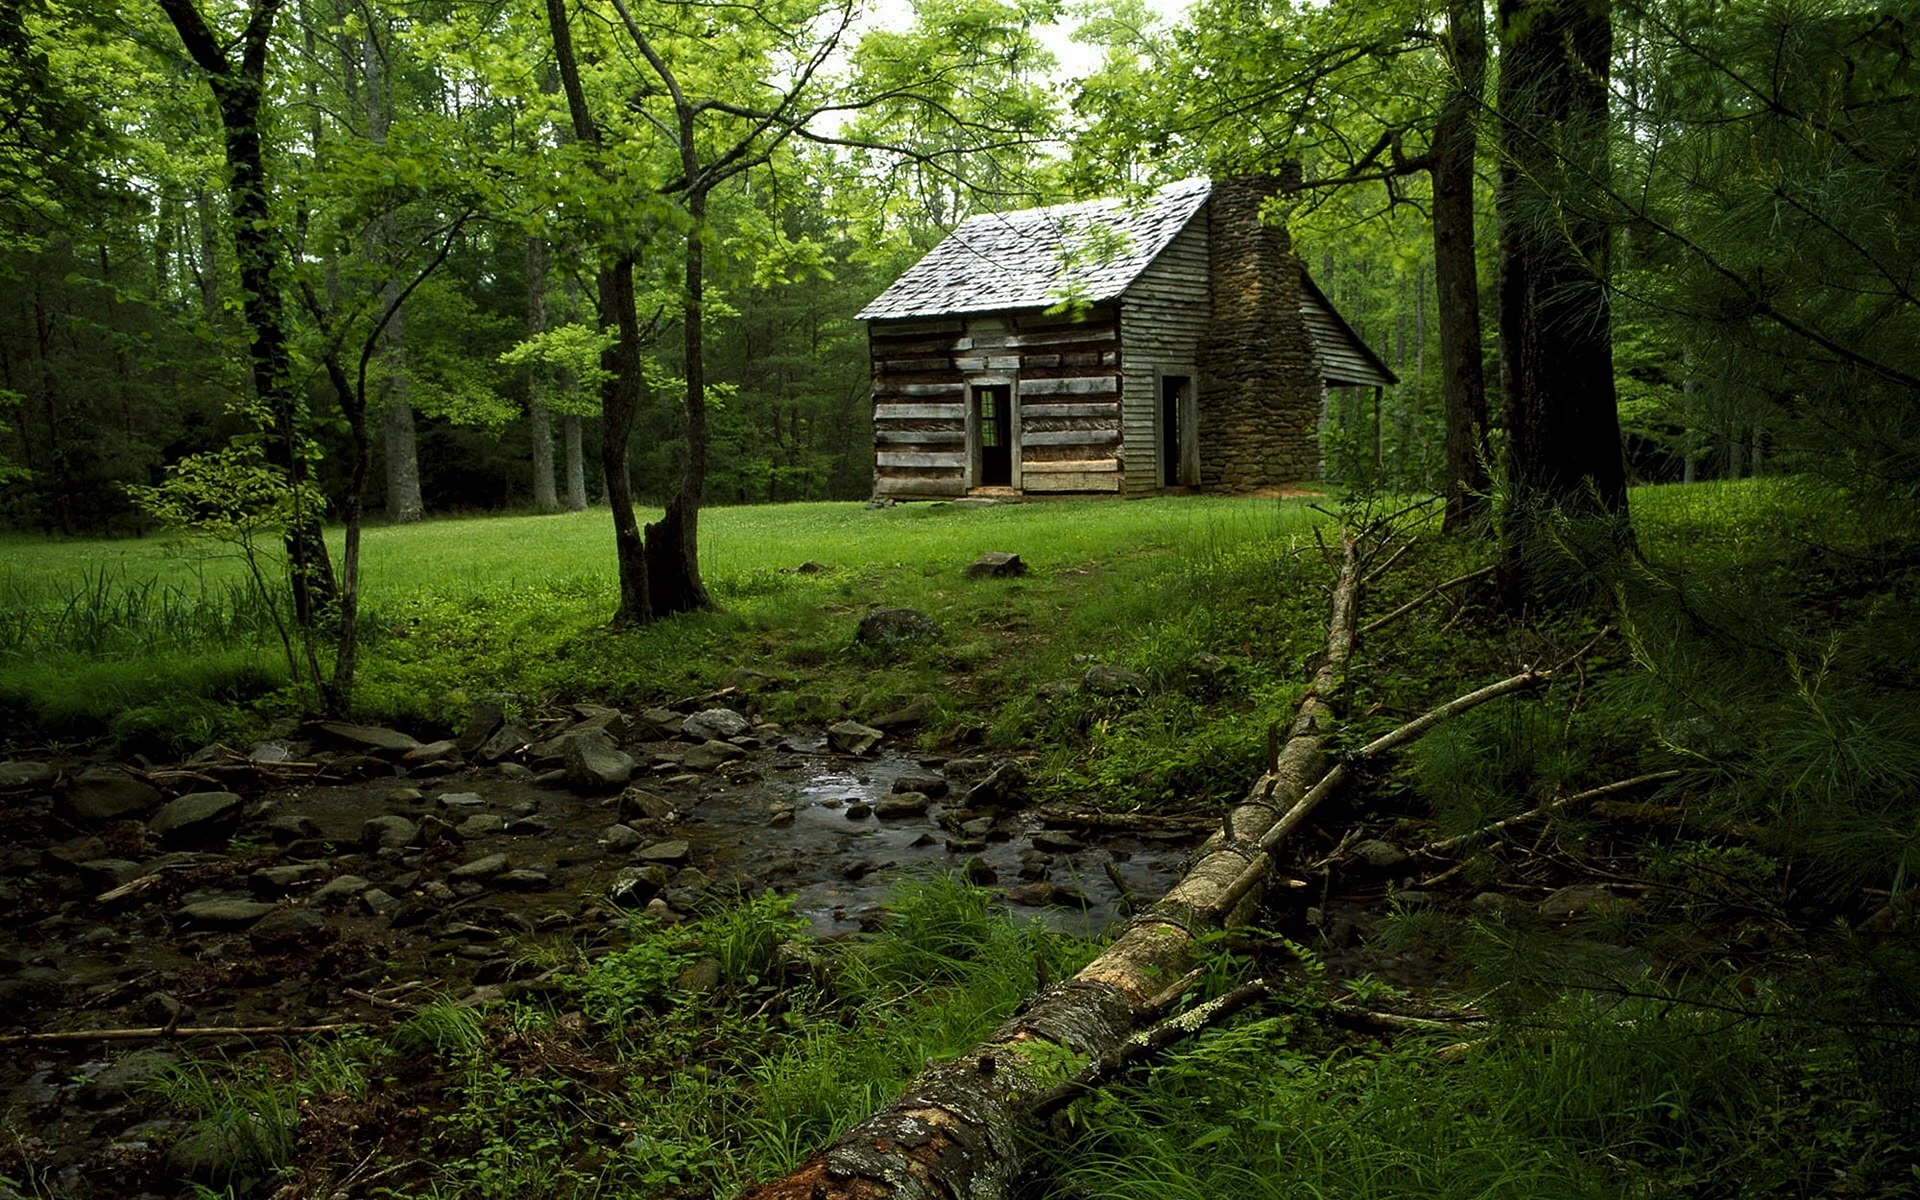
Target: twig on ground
[[1423, 597], [1447, 845], [146, 1033]]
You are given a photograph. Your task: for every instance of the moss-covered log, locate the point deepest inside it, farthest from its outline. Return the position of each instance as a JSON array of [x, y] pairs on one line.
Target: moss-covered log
[[964, 1128]]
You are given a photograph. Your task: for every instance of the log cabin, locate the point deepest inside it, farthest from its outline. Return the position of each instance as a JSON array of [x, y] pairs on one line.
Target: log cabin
[[1170, 344]]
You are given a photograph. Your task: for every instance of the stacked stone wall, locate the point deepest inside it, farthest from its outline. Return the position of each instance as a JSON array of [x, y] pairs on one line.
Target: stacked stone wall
[[1260, 386]]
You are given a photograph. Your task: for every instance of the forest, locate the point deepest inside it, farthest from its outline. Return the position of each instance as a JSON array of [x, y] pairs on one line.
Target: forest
[[467, 733]]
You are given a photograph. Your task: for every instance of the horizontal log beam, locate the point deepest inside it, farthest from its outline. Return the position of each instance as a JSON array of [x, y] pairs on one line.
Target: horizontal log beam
[[918, 437], [919, 412], [1071, 465], [1072, 437], [1085, 385], [1047, 412], [935, 458]]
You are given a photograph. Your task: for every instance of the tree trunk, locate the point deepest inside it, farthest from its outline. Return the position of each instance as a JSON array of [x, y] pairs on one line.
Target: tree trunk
[[539, 421], [1563, 433], [239, 92], [573, 438], [50, 410], [1456, 271], [962, 1128], [620, 394], [397, 435], [673, 542]]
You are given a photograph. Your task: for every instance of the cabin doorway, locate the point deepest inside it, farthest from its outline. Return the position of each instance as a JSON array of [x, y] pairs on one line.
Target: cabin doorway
[[993, 435], [1179, 456]]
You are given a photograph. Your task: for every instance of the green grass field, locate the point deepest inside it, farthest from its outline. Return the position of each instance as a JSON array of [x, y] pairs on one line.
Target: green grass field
[[159, 645]]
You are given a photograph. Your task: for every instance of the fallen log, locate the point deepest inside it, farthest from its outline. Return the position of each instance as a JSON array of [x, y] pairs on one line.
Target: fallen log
[[964, 1128], [961, 1128]]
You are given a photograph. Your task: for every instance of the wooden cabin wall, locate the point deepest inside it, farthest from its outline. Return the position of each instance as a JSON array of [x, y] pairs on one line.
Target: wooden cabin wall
[[1163, 318], [1069, 401], [1066, 395]]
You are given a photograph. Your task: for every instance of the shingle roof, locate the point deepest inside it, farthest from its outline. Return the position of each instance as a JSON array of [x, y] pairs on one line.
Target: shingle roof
[[1089, 251]]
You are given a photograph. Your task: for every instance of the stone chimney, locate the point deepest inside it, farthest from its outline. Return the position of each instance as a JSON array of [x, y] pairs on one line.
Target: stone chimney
[[1260, 386]]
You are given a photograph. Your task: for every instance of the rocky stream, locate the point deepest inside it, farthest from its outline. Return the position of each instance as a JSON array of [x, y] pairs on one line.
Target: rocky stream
[[339, 873]]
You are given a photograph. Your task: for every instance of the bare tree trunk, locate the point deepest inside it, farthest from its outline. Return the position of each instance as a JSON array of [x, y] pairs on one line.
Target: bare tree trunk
[[399, 444], [673, 555], [962, 1128], [539, 421], [1456, 271], [1563, 431], [620, 395], [239, 91], [572, 438], [50, 410]]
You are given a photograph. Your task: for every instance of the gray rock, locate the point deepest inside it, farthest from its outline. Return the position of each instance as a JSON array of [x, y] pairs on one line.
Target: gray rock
[[916, 711], [995, 564], [1055, 842], [108, 794], [638, 802], [1005, 784], [130, 1074], [274, 881], [379, 901], [708, 756], [1103, 680], [387, 832], [480, 869], [73, 851], [369, 737], [1497, 903], [1380, 855], [715, 724], [15, 776], [1207, 669], [859, 810], [482, 825], [703, 975], [635, 886], [486, 717], [270, 752], [525, 879], [286, 927], [594, 763], [901, 804], [932, 785], [779, 815], [198, 819], [976, 871], [110, 872], [224, 914], [746, 679], [895, 628], [462, 801], [288, 828], [1583, 900], [432, 752], [508, 739], [851, 737], [660, 722], [341, 889], [619, 839], [666, 853], [970, 768]]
